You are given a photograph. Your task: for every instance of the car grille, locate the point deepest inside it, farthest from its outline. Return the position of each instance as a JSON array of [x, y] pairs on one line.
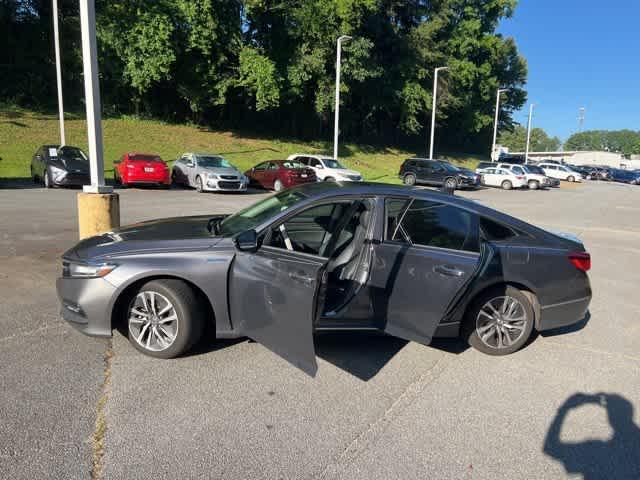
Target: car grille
[[229, 185], [79, 178], [229, 177]]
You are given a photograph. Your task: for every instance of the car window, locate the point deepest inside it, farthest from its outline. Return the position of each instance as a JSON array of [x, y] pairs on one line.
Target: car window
[[292, 164], [260, 166], [517, 170], [272, 166], [494, 231], [432, 224]]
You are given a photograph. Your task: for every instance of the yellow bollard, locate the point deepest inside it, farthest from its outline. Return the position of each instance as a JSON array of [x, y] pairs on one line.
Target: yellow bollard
[[98, 213]]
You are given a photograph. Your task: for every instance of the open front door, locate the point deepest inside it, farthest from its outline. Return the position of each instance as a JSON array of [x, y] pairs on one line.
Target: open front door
[[273, 296]]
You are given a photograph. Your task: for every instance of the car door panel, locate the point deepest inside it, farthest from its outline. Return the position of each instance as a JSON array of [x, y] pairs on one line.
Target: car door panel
[[416, 286], [272, 299]]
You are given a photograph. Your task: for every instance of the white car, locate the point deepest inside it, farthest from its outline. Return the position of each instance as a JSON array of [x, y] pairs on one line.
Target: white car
[[561, 172], [534, 180], [327, 169], [501, 177]]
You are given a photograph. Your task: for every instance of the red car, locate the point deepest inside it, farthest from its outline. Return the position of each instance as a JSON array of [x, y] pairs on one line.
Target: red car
[[141, 168], [279, 174]]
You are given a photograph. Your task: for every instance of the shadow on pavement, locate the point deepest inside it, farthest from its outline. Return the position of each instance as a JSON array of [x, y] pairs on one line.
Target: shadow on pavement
[[18, 183], [617, 457]]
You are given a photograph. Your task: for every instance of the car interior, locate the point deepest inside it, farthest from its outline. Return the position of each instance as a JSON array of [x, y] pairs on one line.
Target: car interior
[[336, 231]]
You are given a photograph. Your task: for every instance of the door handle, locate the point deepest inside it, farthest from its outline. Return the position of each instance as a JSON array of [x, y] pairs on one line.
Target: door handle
[[446, 270], [301, 277]]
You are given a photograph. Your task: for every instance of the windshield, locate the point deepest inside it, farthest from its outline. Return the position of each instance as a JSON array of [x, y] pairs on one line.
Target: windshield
[[331, 163], [213, 162], [72, 153], [259, 212], [449, 168]]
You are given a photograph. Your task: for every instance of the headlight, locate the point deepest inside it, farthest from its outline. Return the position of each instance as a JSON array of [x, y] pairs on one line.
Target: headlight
[[57, 172], [84, 270], [212, 176]]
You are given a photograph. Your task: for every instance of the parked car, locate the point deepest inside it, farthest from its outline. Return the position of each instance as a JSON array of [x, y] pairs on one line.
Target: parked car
[[327, 169], [534, 180], [502, 177], [625, 176], [550, 182], [561, 172], [141, 168], [279, 174], [336, 256], [597, 173], [56, 166], [423, 171], [207, 172], [508, 158]]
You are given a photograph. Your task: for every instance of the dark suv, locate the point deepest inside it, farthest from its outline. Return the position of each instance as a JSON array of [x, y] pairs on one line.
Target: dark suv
[[436, 172]]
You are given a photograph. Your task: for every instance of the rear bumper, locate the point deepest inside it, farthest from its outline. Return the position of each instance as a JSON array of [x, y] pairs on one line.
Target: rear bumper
[[144, 180], [86, 304], [563, 314]]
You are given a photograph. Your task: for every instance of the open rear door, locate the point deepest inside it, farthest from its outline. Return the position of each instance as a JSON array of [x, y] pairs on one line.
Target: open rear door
[[273, 296]]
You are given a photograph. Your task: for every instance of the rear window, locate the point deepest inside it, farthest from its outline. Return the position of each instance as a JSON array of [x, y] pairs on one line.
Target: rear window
[[292, 164], [145, 158]]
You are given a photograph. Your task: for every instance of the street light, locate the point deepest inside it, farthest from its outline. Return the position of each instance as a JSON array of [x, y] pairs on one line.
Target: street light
[[526, 151], [433, 107], [495, 122], [336, 129], [56, 41]]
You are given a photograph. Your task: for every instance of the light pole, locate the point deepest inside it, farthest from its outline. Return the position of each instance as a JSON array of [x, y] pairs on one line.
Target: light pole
[[98, 206], [336, 127], [56, 41], [433, 107], [495, 122], [526, 151]]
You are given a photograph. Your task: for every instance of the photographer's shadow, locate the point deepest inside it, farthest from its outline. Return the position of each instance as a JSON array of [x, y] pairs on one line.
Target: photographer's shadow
[[617, 457]]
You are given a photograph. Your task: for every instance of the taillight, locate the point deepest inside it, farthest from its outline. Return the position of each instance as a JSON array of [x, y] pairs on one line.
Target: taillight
[[581, 260]]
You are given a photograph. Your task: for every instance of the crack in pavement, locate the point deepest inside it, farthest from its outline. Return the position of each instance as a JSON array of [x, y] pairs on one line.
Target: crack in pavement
[[369, 434], [100, 427]]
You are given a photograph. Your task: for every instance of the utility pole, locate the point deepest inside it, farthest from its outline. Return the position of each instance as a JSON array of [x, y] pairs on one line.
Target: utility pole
[[581, 122], [495, 122], [336, 126], [56, 42], [526, 151], [433, 107]]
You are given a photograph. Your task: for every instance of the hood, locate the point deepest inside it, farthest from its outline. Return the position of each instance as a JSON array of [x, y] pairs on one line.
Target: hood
[[71, 165], [167, 234], [221, 170]]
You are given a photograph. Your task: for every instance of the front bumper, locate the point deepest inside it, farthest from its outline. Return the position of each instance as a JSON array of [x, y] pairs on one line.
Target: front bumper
[[86, 304], [71, 180], [222, 185]]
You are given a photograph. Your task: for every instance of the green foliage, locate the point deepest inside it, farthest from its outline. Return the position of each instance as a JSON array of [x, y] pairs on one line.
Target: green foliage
[[623, 141], [269, 65], [516, 140]]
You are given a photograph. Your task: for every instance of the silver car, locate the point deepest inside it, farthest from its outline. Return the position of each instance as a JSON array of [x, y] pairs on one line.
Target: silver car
[[207, 172]]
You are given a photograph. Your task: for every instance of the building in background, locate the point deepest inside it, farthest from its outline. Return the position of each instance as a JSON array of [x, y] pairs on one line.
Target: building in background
[[587, 157]]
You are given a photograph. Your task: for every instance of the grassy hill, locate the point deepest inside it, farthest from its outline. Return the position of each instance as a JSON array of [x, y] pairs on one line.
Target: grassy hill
[[22, 132]]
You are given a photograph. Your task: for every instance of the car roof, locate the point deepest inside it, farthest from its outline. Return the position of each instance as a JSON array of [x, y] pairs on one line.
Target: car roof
[[319, 156]]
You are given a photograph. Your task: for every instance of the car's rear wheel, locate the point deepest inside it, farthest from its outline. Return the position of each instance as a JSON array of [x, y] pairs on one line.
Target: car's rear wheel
[[277, 185], [507, 185], [329, 179], [499, 322], [571, 178], [199, 186], [534, 184], [451, 183], [409, 179], [164, 319]]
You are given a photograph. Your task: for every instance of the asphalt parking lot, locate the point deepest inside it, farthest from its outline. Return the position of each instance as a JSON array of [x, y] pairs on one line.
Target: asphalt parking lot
[[566, 405]]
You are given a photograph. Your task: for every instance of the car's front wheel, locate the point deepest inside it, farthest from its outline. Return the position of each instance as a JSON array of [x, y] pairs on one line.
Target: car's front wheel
[[451, 183], [199, 186], [164, 318], [534, 184], [499, 322], [46, 180]]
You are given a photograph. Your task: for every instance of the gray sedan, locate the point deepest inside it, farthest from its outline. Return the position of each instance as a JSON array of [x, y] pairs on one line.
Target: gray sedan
[[328, 256], [206, 172]]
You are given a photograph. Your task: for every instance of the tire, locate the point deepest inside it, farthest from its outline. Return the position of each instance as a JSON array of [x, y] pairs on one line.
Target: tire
[[46, 180], [199, 187], [506, 185], [165, 338], [488, 335], [571, 178], [329, 179], [409, 179], [533, 185], [451, 183], [277, 186]]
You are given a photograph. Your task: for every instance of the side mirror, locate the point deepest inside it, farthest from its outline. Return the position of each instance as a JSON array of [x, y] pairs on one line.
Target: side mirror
[[247, 241]]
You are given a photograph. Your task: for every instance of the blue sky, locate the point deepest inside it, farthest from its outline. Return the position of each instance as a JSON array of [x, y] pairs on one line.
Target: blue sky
[[580, 53]]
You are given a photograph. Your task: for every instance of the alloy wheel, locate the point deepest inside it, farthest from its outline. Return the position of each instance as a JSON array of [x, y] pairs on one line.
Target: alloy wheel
[[199, 187], [153, 321], [277, 186], [501, 322], [451, 183], [410, 179]]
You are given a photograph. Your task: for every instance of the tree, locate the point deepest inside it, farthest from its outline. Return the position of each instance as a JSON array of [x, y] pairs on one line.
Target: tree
[[626, 142], [516, 140]]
